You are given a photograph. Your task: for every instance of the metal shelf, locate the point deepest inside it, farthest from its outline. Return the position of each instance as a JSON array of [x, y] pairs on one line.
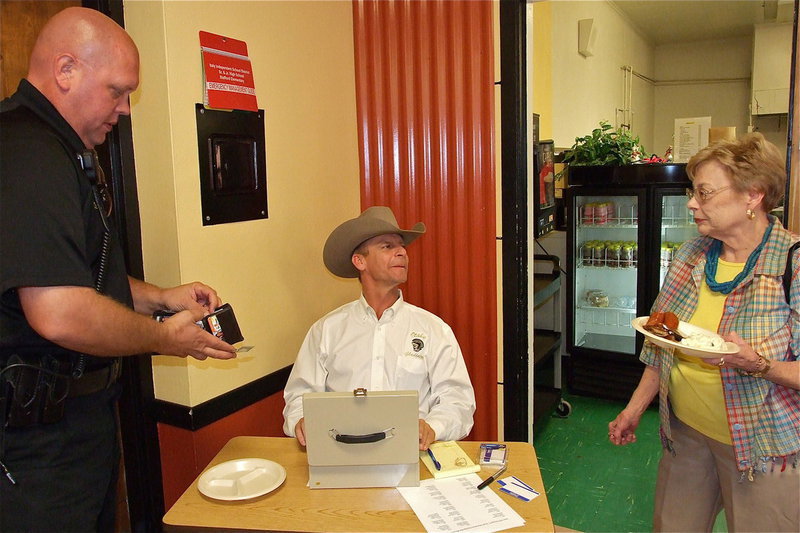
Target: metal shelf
[[546, 356], [582, 265], [611, 225], [596, 308]]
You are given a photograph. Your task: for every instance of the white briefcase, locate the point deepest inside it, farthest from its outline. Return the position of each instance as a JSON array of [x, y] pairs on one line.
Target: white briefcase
[[362, 439]]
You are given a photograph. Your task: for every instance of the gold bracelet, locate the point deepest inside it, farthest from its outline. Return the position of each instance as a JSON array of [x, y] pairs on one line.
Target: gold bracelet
[[760, 373]]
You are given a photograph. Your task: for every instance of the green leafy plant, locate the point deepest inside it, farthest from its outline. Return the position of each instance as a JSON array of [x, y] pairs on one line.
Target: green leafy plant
[[604, 146]]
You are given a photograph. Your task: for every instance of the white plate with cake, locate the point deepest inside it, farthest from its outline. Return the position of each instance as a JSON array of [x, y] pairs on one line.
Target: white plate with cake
[[665, 330]]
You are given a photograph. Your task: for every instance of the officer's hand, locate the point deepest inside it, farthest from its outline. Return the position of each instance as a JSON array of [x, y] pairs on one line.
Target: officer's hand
[[183, 337], [193, 295]]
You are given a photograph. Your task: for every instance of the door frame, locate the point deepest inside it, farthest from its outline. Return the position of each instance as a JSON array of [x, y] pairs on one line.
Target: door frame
[[140, 445], [514, 204]]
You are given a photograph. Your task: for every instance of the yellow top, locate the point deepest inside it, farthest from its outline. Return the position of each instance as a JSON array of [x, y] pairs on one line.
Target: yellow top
[[695, 387]]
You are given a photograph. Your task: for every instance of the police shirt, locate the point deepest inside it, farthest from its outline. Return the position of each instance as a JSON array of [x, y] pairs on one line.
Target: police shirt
[[51, 233]]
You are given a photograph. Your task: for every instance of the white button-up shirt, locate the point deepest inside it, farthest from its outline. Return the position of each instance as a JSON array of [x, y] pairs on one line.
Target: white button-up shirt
[[408, 348]]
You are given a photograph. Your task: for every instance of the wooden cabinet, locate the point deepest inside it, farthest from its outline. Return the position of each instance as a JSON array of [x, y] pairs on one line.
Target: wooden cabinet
[[772, 62]]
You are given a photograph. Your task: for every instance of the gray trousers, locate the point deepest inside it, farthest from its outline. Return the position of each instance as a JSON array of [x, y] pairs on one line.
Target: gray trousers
[[701, 479]]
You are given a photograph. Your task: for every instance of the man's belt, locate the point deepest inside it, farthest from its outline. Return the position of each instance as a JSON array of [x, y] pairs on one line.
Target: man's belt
[[94, 380], [35, 391]]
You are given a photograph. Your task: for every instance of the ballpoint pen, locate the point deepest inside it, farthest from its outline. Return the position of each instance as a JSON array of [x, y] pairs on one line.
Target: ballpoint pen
[[436, 463], [485, 483]]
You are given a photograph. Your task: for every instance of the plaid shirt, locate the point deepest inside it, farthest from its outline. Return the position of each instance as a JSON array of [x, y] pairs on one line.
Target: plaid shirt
[[763, 417]]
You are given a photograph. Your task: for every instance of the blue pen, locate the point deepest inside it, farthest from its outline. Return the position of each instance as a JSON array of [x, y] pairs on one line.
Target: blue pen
[[433, 458]]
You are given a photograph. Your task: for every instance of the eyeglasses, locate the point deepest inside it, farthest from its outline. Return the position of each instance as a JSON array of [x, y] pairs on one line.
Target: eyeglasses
[[703, 195]]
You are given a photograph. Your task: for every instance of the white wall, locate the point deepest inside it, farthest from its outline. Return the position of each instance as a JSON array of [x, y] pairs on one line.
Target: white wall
[[587, 90], [727, 102]]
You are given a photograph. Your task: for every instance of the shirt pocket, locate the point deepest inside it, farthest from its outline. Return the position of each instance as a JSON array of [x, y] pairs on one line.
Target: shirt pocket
[[763, 312], [768, 333], [412, 366]]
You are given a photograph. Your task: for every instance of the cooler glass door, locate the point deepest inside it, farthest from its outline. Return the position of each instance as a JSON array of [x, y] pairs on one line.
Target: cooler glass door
[[677, 226], [605, 270]]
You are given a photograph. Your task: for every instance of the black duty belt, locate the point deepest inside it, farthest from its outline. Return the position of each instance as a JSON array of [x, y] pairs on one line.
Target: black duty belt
[[94, 380]]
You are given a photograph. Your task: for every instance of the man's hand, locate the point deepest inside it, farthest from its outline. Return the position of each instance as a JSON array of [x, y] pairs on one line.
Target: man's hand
[[80, 319], [426, 435], [186, 338], [300, 431], [191, 296]]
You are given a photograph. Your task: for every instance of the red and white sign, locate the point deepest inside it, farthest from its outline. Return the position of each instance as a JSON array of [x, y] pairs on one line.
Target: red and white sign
[[228, 75]]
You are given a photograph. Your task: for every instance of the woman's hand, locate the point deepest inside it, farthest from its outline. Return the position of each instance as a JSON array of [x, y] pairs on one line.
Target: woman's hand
[[622, 430], [745, 359]]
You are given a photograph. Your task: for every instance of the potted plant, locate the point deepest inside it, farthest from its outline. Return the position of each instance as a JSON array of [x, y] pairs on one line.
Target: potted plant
[[604, 146], [617, 157]]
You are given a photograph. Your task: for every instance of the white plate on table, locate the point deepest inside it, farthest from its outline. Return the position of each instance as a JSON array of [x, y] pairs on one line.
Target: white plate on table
[[685, 329], [241, 479]]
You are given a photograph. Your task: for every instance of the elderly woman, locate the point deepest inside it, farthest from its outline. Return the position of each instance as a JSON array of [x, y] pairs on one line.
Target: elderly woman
[[730, 425]]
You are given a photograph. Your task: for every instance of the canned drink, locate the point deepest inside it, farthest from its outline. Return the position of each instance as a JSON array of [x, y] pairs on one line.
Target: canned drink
[[613, 255], [626, 256], [599, 255], [588, 213], [601, 213], [666, 254], [586, 253]]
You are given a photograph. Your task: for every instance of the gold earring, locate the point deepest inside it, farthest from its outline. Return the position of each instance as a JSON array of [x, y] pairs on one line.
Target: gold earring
[[751, 214]]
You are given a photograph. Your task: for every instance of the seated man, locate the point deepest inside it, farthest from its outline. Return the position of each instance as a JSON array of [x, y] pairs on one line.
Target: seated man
[[380, 342]]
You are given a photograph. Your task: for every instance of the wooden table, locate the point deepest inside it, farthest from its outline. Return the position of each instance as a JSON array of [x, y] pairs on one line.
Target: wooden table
[[295, 507]]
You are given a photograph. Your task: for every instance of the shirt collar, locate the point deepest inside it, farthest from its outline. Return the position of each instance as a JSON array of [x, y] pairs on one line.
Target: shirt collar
[[31, 98], [771, 261], [368, 312]]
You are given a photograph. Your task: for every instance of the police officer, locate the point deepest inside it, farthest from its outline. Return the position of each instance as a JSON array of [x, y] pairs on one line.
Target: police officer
[[68, 308]]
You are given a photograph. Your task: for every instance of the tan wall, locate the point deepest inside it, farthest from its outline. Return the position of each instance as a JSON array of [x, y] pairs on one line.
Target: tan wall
[[269, 270], [540, 67], [586, 90]]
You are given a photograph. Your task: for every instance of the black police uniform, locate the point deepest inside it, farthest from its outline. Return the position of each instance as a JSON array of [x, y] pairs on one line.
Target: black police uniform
[[51, 234]]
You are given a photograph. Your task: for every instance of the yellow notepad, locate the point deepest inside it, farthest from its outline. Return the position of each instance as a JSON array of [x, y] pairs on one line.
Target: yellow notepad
[[454, 460]]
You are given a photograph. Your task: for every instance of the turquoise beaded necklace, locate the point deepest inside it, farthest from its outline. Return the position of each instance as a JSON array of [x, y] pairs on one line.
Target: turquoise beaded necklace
[[712, 260]]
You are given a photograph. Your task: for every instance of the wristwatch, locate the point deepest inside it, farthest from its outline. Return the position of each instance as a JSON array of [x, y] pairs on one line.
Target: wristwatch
[[763, 371]]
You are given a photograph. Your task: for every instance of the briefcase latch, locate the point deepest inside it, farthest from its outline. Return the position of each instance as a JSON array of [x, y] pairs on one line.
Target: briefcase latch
[[360, 392]]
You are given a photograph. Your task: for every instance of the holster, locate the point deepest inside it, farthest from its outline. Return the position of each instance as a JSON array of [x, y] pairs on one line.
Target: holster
[[33, 390]]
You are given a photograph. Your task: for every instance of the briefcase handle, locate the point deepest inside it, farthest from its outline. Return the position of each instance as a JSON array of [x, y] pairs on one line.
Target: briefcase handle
[[361, 439]]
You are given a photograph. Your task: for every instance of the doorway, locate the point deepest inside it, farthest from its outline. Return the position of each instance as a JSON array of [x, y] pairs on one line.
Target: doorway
[[140, 498]]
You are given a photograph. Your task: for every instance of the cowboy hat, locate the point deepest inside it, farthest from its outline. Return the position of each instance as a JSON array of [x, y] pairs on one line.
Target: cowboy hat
[[342, 242]]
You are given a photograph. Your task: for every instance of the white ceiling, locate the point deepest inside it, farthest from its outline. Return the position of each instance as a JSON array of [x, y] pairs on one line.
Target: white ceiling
[[669, 21]]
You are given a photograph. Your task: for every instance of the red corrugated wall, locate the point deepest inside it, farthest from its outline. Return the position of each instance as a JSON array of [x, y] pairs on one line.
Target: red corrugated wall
[[425, 102]]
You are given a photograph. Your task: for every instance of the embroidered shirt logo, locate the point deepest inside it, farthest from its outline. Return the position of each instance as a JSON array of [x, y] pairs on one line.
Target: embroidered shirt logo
[[416, 341]]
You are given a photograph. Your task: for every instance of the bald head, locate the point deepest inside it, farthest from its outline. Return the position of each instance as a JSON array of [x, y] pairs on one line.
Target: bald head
[[87, 66]]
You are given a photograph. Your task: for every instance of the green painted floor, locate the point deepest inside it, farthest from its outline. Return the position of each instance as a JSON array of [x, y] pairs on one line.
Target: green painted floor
[[592, 485]]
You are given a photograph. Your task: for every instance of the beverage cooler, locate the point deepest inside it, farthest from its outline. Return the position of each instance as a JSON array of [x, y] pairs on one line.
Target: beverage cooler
[[623, 226]]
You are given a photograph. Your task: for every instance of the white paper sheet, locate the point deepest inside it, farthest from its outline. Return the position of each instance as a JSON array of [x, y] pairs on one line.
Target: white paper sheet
[[455, 505], [691, 134]]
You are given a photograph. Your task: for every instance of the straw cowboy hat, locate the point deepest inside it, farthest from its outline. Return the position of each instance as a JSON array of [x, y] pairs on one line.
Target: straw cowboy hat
[[343, 241]]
